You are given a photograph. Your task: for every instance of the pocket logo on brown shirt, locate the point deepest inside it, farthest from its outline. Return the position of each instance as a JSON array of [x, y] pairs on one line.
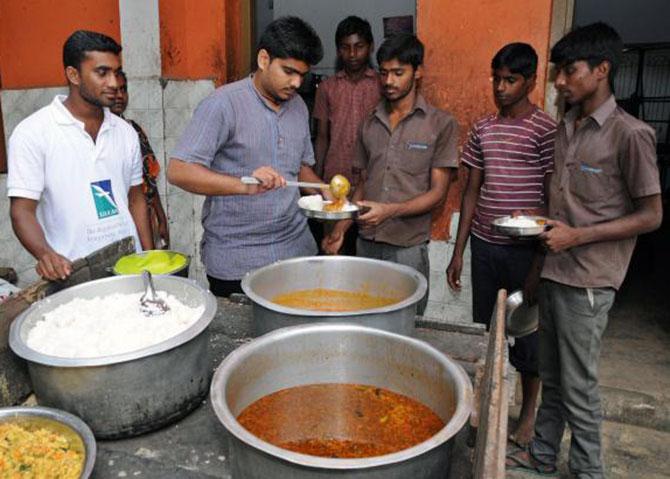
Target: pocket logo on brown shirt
[[590, 169], [415, 145]]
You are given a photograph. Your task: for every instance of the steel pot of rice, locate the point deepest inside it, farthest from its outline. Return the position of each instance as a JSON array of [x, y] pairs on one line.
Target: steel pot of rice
[[120, 383]]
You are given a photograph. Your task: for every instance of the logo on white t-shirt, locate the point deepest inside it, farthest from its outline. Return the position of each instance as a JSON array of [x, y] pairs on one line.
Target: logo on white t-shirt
[[103, 197]]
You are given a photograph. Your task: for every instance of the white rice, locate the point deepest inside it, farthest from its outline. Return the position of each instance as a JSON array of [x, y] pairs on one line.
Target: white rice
[[519, 222], [103, 326], [316, 203]]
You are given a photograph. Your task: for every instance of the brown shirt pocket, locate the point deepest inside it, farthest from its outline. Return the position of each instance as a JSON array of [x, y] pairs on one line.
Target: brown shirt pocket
[[590, 182], [416, 156]]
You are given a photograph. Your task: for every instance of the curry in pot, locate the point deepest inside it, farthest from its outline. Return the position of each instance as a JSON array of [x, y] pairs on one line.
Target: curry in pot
[[340, 420], [322, 299]]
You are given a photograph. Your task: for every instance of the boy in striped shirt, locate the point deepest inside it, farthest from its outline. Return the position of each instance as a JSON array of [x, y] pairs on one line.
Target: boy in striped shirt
[[509, 159]]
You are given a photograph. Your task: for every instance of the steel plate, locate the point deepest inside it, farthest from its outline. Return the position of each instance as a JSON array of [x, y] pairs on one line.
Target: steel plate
[[520, 231]]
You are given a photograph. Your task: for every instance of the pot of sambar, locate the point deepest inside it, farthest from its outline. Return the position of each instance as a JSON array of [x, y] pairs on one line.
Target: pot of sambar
[[323, 437], [365, 291]]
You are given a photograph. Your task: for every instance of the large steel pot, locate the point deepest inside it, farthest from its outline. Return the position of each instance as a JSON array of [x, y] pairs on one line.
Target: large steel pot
[[124, 394], [347, 273], [339, 353]]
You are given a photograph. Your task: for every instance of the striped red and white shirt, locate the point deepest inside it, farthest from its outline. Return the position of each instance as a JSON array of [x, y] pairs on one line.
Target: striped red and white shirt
[[515, 155]]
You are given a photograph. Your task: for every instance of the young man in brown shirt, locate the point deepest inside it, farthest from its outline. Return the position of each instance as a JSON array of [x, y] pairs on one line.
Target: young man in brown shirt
[[405, 152], [604, 192]]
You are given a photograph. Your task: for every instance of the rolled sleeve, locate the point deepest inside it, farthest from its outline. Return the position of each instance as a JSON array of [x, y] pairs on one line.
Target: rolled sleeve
[[321, 110], [446, 146], [546, 148], [360, 160], [308, 155], [206, 132], [137, 169], [25, 178], [472, 151], [639, 165]]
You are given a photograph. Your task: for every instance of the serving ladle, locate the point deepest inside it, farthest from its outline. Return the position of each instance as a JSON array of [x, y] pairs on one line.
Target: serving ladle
[[339, 186], [150, 303]]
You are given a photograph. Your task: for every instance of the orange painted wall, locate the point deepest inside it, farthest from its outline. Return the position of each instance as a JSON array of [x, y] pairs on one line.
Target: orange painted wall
[[461, 39], [193, 39], [32, 33]]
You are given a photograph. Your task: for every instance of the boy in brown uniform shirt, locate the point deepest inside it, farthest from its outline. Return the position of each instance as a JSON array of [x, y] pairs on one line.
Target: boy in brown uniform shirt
[[604, 192], [405, 153]]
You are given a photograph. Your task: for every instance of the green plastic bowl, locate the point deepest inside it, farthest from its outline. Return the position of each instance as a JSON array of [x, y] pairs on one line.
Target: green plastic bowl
[[156, 261]]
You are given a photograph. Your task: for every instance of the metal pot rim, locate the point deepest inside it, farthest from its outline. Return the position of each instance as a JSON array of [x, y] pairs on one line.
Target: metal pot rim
[[21, 349], [230, 362], [69, 420], [421, 288]]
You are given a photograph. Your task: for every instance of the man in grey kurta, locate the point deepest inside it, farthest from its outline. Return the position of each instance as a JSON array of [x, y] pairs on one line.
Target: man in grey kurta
[[254, 123]]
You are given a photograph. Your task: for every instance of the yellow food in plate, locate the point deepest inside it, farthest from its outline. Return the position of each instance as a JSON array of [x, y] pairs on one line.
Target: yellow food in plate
[[35, 452], [156, 262], [321, 299], [337, 205]]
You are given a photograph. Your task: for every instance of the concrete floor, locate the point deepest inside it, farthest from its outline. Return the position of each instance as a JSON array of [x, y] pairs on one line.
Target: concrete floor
[[635, 370]]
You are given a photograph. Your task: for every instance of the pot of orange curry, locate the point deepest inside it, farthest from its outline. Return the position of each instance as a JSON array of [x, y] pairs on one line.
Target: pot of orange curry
[[343, 400], [365, 291]]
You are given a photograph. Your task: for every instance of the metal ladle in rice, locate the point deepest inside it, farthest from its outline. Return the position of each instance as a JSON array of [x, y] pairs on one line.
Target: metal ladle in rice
[[150, 303]]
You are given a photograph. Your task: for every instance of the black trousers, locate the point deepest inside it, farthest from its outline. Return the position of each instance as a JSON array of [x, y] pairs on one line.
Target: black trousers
[[503, 266], [224, 288]]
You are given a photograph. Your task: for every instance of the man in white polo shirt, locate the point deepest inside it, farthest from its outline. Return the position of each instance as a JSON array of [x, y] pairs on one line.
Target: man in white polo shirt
[[75, 169]]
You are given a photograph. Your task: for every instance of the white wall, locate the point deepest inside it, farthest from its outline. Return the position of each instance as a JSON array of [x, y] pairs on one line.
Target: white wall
[[17, 105], [324, 15]]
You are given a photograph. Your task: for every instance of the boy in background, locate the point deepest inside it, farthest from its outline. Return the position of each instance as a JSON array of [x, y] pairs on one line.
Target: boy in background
[[342, 102]]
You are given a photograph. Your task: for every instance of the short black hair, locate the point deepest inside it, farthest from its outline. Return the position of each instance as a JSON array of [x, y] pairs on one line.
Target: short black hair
[[291, 37], [353, 25], [520, 58], [594, 44], [404, 47], [82, 41]]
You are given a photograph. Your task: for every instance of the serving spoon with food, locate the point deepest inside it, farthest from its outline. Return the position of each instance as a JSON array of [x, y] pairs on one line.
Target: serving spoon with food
[[339, 186]]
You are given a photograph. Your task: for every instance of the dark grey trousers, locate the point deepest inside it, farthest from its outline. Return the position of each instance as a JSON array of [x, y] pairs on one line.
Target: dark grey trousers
[[413, 256], [572, 322]]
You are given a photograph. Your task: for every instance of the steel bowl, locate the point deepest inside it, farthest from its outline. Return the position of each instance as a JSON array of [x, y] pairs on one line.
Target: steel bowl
[[347, 273], [340, 353], [520, 318], [130, 393], [60, 422]]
